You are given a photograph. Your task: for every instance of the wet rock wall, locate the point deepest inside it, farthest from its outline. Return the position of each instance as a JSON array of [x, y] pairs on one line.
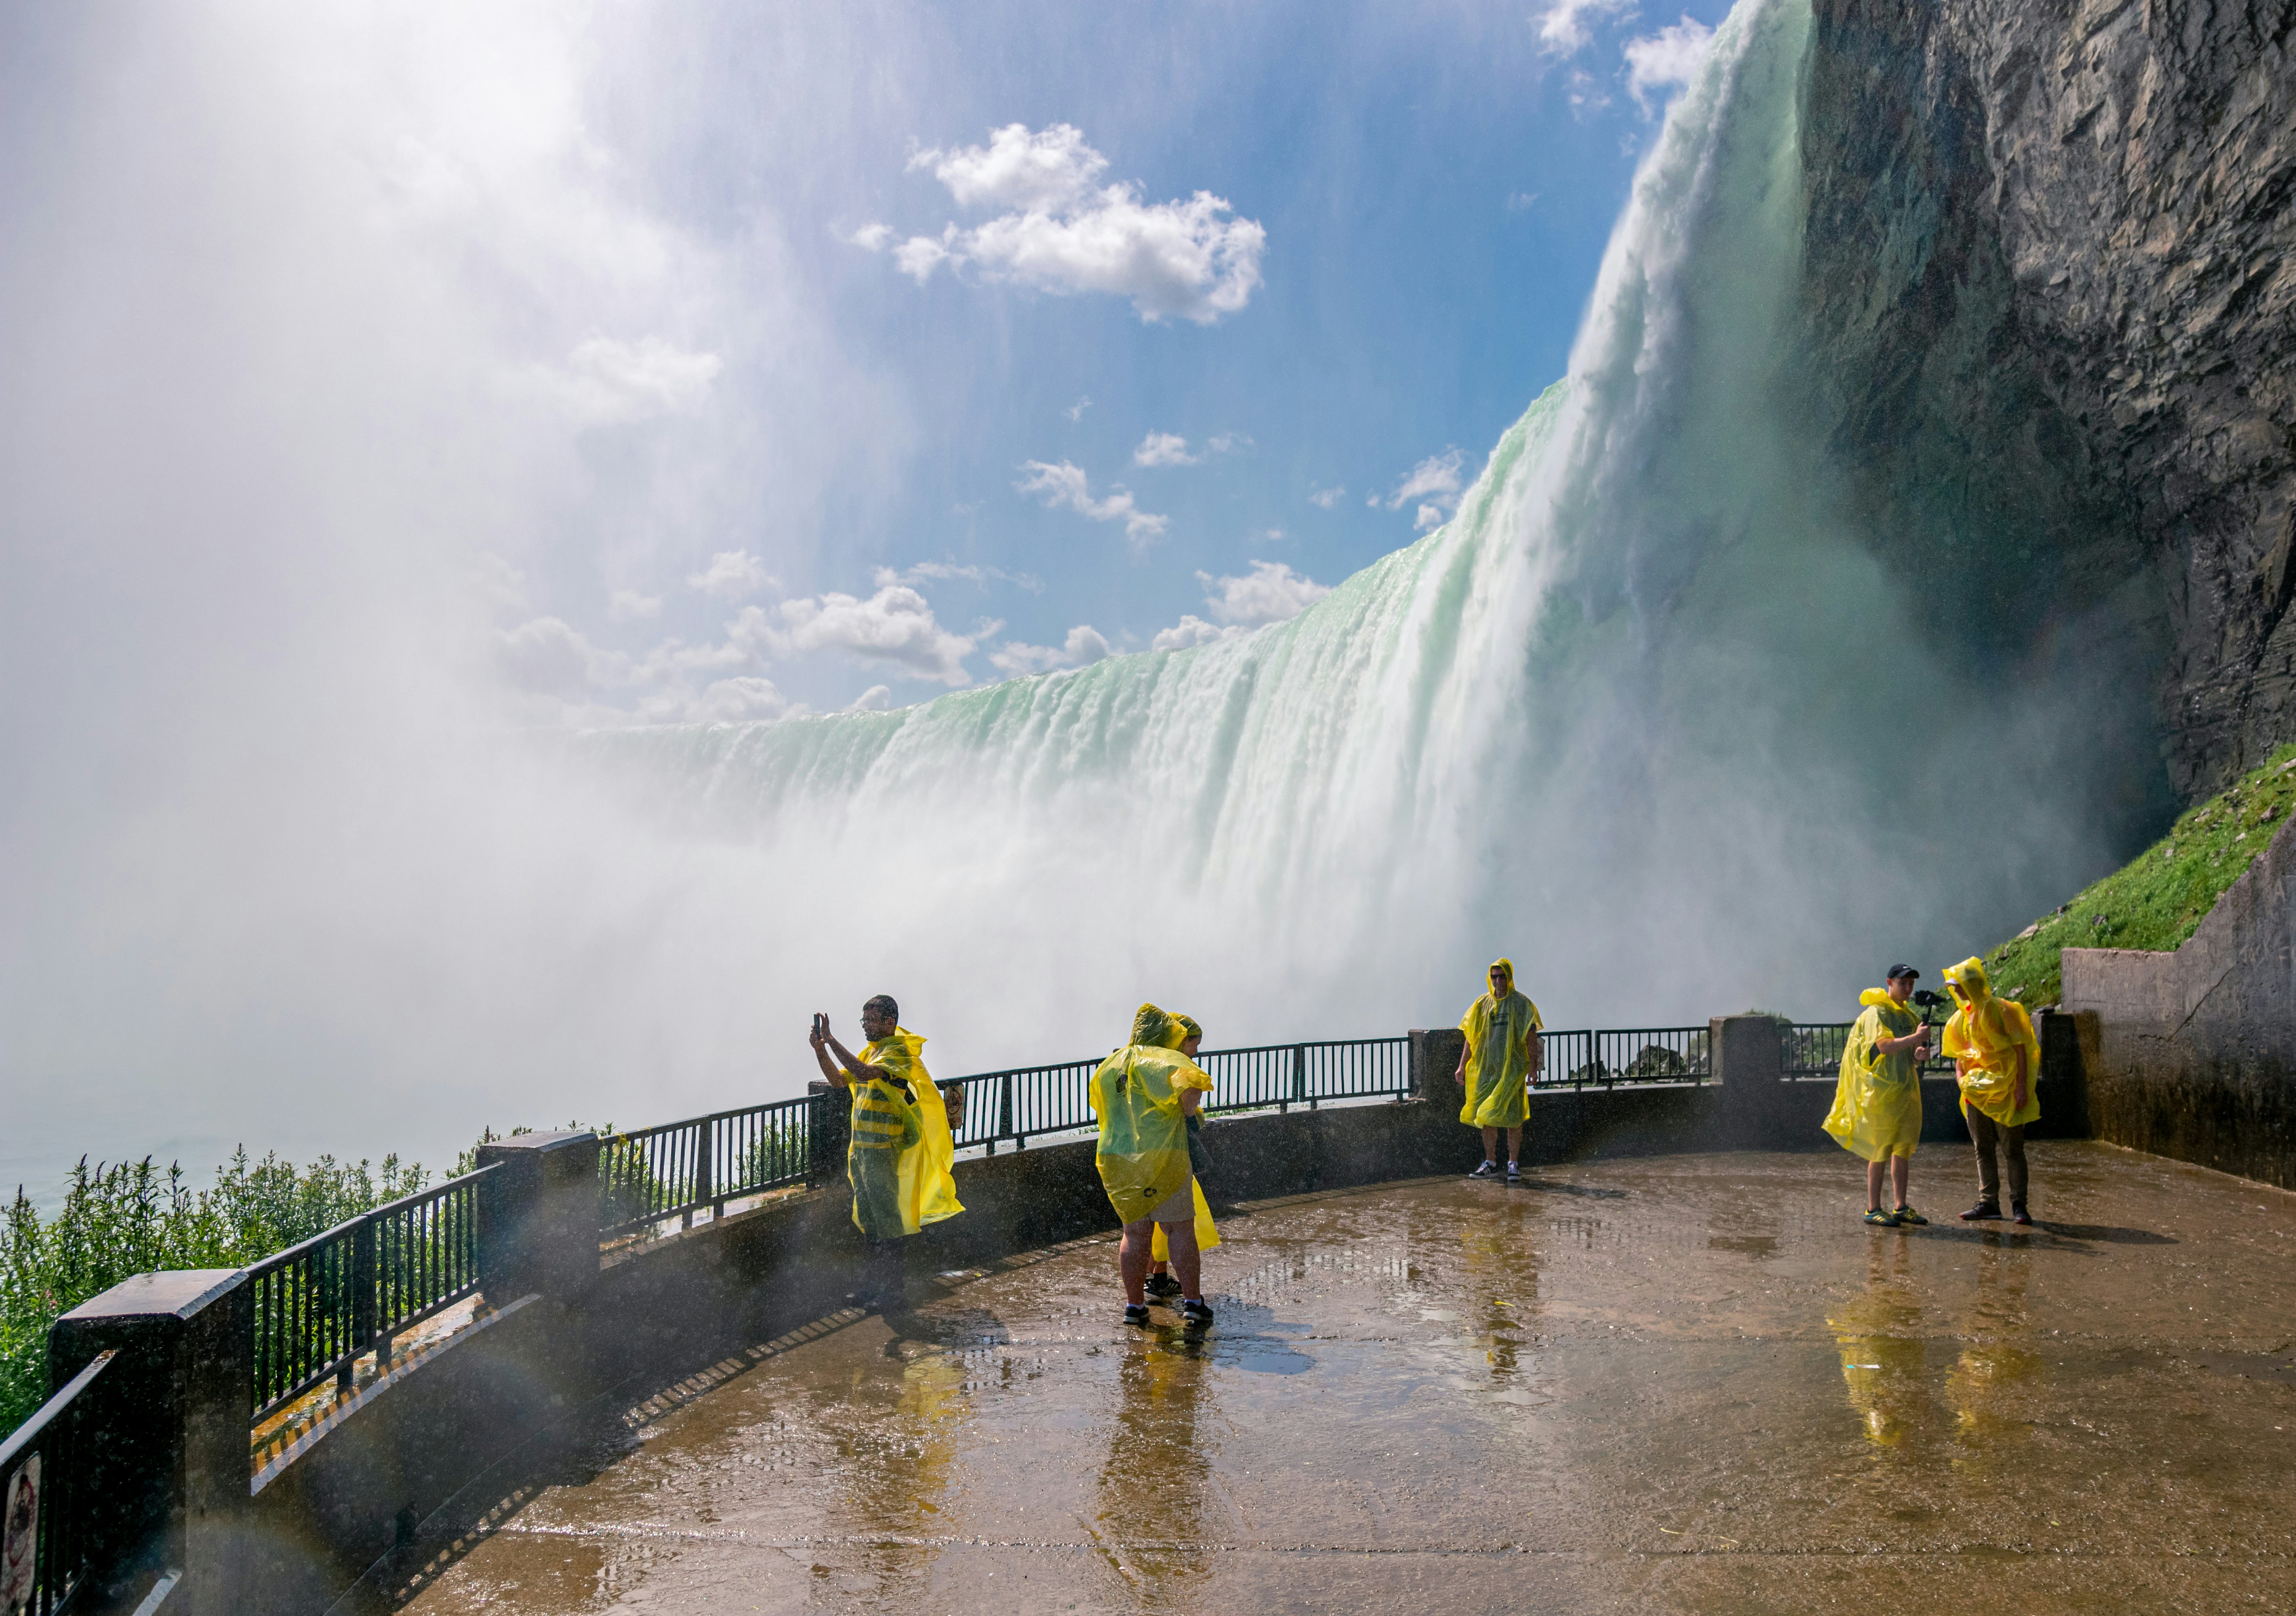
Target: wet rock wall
[[2050, 317]]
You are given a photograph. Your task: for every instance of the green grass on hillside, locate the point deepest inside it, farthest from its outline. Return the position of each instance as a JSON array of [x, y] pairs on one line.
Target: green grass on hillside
[[2158, 898]]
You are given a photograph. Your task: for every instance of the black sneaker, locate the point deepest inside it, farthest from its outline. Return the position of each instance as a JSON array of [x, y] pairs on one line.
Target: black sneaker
[[1982, 1211], [1162, 1285], [1489, 1169], [1136, 1313], [1880, 1219], [1905, 1214], [1195, 1314], [1515, 1173], [2018, 1214]]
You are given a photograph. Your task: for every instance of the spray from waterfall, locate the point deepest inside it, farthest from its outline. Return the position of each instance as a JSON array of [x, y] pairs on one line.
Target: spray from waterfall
[[1649, 716]]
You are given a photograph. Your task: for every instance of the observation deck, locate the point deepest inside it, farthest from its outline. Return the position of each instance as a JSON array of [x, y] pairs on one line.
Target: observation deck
[[1690, 1383]]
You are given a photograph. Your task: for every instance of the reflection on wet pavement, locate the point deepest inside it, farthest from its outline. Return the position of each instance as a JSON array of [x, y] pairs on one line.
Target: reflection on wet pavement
[[1694, 1383]]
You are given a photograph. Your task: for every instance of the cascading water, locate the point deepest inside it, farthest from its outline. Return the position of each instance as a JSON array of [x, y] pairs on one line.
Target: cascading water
[[1643, 716]]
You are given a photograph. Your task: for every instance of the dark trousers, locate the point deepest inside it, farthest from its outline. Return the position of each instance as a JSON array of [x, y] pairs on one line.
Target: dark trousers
[[1984, 1130]]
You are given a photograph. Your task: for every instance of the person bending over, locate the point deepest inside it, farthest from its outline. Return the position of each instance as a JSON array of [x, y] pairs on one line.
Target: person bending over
[[1877, 1101], [1143, 1095], [900, 1151], [1999, 1059], [1496, 1069]]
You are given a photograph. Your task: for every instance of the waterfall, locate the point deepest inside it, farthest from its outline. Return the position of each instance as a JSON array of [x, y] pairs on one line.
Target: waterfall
[[1644, 716]]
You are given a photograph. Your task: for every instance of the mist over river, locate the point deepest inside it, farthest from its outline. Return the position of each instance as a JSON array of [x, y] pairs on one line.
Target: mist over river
[[1648, 715]]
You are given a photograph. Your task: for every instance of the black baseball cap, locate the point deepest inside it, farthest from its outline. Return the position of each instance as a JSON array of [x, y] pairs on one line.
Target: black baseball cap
[[1898, 971]]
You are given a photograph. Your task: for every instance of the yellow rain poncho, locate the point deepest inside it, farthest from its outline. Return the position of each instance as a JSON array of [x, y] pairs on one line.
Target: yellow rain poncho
[[1877, 1102], [899, 1159], [1988, 1032], [1144, 1137], [1500, 1032]]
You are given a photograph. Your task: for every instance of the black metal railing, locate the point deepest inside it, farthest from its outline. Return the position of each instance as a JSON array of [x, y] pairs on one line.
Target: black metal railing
[[677, 1169], [319, 1306], [1021, 1103], [1809, 1050], [44, 1468], [1608, 1056], [1285, 1075]]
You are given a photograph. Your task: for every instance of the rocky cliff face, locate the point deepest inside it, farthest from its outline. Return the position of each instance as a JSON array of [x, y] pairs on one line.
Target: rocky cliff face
[[2054, 321]]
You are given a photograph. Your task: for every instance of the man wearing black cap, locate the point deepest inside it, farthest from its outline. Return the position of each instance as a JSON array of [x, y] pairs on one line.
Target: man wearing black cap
[[1877, 1103]]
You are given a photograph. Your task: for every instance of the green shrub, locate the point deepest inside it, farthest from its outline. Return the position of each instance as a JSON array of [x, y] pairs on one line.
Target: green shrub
[[130, 1218]]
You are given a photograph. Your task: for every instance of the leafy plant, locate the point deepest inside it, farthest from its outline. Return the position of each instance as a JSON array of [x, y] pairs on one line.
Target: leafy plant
[[128, 1217], [2159, 898]]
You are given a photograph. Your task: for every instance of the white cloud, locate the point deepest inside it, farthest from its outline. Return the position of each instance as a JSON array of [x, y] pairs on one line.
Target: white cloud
[[894, 627], [743, 700], [1063, 234], [1075, 412], [731, 575], [1270, 593], [1085, 644], [877, 698], [1520, 201], [1587, 95], [606, 380], [1228, 443], [1192, 631], [1565, 26], [498, 581], [1018, 169], [869, 238], [549, 657], [1435, 482], [943, 571], [1066, 485], [1665, 59], [628, 606], [921, 255], [1163, 448], [1327, 497]]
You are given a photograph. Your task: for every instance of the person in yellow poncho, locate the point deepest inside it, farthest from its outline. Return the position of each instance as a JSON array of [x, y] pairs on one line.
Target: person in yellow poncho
[[1160, 1285], [1496, 1069], [1143, 1095], [1877, 1102], [1992, 1044], [900, 1152]]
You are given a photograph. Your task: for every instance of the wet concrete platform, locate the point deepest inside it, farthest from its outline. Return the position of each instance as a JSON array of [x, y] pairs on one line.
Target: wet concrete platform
[[1688, 1384]]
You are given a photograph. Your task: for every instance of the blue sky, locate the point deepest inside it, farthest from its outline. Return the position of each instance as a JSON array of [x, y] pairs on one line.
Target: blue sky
[[1411, 203]]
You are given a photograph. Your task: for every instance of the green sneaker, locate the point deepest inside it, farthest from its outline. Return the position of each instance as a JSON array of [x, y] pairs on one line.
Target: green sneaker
[[1905, 1214], [1880, 1219]]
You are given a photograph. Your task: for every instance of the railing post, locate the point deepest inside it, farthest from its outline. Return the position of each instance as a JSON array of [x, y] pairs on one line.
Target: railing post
[[1003, 1109], [538, 1217], [1750, 1067], [831, 1123], [704, 1138], [1435, 1054], [362, 1283], [168, 1443], [1299, 1075]]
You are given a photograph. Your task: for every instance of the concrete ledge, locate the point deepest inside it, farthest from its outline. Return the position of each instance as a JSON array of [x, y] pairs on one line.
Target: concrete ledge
[[2191, 1054]]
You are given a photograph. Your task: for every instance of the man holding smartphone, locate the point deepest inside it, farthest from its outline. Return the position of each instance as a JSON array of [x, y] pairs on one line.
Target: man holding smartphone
[[900, 1150]]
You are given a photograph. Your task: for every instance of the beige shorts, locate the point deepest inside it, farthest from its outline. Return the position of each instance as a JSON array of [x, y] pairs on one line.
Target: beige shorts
[[1179, 1207]]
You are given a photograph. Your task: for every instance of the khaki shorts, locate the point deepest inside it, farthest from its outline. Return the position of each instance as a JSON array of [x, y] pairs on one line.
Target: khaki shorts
[[1179, 1207]]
